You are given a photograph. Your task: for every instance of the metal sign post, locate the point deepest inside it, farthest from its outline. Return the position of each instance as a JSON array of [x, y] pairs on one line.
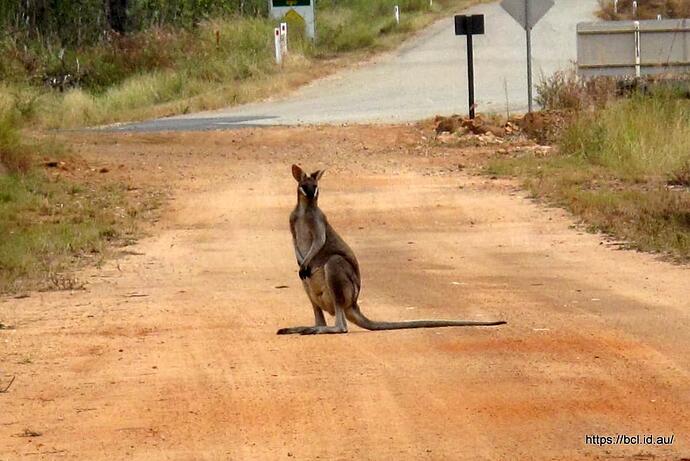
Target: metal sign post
[[528, 32], [469, 26], [527, 13]]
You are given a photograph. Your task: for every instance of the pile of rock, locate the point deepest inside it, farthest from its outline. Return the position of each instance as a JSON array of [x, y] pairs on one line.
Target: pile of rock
[[542, 127], [480, 131]]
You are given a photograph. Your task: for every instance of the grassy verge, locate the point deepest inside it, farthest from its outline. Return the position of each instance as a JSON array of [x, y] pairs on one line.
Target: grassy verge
[[226, 61], [624, 169], [50, 222]]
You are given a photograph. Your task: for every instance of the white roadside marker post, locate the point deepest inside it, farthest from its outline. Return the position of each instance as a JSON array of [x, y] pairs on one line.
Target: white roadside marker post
[[397, 14], [638, 70], [279, 51], [284, 37], [635, 10], [615, 6]]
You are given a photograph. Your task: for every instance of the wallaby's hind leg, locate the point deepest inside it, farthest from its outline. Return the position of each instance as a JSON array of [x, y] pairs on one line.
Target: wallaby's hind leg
[[319, 320], [341, 292]]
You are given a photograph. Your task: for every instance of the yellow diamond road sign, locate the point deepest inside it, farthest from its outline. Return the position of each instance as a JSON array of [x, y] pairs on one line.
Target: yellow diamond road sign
[[293, 15]]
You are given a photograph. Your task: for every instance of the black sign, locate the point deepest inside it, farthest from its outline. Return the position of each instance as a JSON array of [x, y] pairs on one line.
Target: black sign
[[469, 25], [277, 3]]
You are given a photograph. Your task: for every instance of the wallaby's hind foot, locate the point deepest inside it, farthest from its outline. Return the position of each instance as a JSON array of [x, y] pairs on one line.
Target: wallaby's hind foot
[[334, 330], [292, 330], [316, 330]]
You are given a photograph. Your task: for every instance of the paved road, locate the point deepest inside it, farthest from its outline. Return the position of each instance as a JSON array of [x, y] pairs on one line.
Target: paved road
[[424, 77]]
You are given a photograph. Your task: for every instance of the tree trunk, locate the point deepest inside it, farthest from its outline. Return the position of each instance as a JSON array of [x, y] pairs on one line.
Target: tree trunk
[[117, 15]]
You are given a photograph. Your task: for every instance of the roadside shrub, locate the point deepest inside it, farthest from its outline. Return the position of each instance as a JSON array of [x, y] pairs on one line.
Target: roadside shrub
[[14, 157], [647, 9], [565, 90]]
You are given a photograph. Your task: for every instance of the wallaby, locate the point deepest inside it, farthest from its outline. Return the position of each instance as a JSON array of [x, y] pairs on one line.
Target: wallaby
[[330, 272]]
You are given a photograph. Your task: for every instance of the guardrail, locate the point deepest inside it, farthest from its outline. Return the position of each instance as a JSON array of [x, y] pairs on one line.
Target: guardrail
[[633, 48]]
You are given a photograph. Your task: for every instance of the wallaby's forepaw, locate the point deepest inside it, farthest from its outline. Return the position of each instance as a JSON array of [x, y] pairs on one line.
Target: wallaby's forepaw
[[304, 272]]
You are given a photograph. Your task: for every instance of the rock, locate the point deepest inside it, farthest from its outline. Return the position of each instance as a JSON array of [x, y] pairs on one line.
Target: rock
[[446, 125], [446, 138], [474, 126]]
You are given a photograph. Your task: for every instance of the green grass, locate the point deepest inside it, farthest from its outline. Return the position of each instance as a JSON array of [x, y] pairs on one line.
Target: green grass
[[615, 172], [637, 138], [47, 224]]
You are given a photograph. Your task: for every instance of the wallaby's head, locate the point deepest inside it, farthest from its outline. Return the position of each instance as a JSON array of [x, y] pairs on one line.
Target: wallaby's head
[[308, 185]]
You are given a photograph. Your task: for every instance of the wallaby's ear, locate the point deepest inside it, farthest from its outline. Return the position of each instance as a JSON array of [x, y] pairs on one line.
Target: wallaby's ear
[[317, 174], [297, 173]]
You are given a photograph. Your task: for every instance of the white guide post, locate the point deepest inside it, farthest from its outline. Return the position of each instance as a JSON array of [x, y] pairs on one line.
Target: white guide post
[[284, 38], [638, 71], [279, 50], [397, 14]]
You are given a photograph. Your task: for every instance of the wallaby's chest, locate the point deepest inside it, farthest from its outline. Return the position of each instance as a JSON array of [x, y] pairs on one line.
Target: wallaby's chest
[[304, 234]]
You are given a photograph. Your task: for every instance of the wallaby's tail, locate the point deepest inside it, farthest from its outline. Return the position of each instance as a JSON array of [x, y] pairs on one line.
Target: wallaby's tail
[[362, 321]]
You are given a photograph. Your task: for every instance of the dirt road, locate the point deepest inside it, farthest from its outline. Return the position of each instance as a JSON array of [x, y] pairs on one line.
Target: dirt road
[[171, 353]]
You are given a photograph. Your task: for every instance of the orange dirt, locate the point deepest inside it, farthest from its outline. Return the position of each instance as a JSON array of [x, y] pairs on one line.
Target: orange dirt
[[170, 352]]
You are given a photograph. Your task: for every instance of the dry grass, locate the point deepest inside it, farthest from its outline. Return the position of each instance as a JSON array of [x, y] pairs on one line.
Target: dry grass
[[647, 9]]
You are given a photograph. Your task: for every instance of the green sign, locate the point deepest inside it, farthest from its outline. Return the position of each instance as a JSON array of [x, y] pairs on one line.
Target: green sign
[[288, 3]]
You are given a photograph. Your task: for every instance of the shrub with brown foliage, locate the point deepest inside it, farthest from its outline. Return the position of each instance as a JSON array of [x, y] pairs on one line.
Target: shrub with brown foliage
[[647, 9], [564, 90]]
